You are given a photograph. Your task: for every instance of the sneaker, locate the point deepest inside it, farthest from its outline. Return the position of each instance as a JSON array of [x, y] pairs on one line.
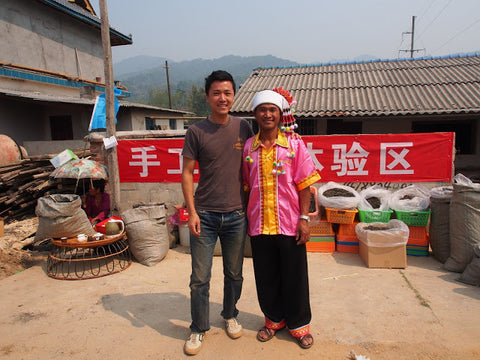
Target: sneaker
[[194, 343], [233, 328]]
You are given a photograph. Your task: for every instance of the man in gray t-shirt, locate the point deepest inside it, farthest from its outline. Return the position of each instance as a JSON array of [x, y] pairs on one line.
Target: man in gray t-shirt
[[217, 209]]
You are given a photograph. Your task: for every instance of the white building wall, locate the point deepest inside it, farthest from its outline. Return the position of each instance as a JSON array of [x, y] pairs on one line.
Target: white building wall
[[37, 36]]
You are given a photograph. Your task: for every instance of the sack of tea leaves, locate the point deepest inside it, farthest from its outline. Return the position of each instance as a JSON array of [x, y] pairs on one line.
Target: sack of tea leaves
[[374, 198], [410, 198], [336, 196]]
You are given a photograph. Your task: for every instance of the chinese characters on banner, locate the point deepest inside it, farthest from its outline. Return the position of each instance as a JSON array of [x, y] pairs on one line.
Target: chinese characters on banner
[[341, 158]]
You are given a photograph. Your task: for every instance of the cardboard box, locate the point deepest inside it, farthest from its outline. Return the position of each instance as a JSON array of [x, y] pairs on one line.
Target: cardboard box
[[394, 257], [383, 245], [63, 157]]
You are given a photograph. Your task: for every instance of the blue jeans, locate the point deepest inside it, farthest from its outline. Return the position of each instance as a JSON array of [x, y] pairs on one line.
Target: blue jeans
[[231, 228]]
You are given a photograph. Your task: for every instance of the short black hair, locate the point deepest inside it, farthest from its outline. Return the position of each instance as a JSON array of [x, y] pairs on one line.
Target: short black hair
[[218, 75], [99, 184]]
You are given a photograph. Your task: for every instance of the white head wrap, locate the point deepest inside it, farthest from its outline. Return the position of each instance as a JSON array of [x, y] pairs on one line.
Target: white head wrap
[[285, 102], [269, 97]]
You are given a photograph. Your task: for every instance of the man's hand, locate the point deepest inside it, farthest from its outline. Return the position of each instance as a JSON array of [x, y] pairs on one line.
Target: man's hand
[[194, 224], [303, 232]]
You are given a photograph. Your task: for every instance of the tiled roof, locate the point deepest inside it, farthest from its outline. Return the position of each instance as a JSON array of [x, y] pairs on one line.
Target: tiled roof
[[381, 87]]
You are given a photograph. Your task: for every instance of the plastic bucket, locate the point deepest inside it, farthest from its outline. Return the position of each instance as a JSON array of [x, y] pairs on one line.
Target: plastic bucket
[[184, 234]]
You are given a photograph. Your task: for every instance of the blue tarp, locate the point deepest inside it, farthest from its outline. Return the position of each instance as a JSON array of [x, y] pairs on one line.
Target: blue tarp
[[99, 118]]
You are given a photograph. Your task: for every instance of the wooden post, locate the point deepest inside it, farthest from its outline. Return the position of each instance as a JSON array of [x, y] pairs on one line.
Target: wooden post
[[168, 86], [113, 174]]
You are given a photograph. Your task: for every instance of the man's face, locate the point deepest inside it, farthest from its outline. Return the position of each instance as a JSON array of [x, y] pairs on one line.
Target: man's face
[[267, 116], [220, 97]]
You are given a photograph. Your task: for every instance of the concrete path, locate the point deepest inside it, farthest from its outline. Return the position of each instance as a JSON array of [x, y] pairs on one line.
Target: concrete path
[[420, 312]]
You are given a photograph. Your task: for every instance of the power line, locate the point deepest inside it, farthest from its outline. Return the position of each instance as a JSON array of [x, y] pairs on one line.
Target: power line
[[436, 17], [428, 7], [456, 35]]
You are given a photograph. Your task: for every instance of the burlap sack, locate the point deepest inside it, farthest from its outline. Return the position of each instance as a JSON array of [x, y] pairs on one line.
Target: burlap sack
[[147, 233], [440, 222], [471, 274], [61, 215], [464, 225]]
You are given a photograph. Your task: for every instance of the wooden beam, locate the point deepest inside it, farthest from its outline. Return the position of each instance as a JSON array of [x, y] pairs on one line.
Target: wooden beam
[[112, 159]]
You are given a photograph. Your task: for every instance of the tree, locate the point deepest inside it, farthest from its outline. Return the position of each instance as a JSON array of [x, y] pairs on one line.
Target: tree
[[158, 97], [196, 101], [193, 100], [179, 100]]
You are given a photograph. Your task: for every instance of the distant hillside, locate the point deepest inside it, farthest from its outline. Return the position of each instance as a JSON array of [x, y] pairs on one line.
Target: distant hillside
[[141, 73], [137, 64]]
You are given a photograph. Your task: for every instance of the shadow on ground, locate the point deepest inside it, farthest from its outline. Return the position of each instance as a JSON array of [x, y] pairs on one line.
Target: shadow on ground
[[168, 313]]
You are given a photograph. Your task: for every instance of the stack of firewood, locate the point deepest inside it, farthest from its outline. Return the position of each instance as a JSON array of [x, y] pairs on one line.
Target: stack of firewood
[[22, 183]]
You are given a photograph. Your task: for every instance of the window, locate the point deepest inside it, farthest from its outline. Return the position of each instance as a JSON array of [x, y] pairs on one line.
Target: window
[[173, 124], [61, 127], [149, 124], [306, 126], [464, 133], [339, 126]]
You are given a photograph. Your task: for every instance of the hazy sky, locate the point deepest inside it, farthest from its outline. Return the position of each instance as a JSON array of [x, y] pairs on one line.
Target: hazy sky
[[305, 31]]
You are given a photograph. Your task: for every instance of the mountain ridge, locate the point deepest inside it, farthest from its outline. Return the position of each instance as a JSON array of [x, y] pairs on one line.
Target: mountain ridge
[[142, 73]]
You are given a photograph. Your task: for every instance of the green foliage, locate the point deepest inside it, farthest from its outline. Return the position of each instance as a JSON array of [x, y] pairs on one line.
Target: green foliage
[[197, 102], [193, 100], [158, 97]]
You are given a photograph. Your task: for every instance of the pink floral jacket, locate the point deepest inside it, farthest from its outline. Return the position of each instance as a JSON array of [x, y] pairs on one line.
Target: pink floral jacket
[[273, 178]]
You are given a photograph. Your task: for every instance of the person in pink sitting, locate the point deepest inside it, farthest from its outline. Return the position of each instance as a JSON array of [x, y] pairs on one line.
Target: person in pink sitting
[[97, 203]]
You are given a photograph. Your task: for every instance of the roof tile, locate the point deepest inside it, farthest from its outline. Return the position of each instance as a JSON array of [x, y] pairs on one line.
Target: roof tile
[[419, 86]]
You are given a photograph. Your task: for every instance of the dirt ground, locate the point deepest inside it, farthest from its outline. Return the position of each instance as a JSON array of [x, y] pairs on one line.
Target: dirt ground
[[13, 258], [419, 313]]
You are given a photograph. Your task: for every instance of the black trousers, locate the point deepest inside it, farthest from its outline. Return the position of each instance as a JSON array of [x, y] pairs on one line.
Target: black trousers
[[281, 277]]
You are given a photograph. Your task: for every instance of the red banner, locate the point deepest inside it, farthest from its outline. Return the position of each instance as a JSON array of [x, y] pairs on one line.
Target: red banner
[[341, 158], [152, 160]]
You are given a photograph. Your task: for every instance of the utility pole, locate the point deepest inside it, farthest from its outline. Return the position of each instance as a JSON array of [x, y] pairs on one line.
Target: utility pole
[[112, 159], [412, 37], [168, 86]]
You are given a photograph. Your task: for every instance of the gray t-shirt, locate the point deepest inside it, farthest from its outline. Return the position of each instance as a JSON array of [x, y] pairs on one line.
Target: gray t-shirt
[[218, 150]]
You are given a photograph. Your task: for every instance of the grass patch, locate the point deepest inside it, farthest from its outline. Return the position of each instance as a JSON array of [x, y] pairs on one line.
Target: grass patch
[[420, 298]]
